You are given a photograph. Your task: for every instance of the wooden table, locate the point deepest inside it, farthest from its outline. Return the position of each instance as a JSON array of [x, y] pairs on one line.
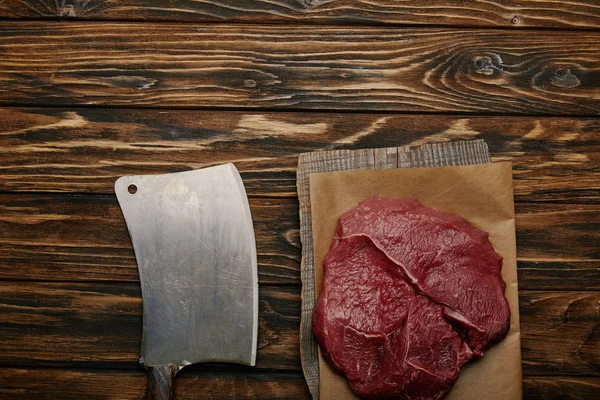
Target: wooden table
[[156, 86]]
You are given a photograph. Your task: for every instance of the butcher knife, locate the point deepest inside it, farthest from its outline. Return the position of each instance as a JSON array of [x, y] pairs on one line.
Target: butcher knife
[[194, 244]]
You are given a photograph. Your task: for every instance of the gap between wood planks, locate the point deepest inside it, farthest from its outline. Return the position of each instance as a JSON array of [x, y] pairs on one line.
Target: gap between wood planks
[[265, 284], [92, 195], [322, 24], [213, 368], [284, 109]]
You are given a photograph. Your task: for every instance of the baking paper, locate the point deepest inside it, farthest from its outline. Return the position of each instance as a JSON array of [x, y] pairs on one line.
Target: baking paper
[[481, 194]]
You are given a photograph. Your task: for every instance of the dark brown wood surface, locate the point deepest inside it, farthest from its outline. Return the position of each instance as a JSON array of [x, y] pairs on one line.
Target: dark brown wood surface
[[256, 83], [25, 384], [577, 14], [105, 330], [96, 384], [555, 159], [300, 67], [41, 240]]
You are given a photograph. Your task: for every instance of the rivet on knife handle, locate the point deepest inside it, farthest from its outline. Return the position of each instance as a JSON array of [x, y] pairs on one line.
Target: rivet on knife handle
[[194, 244]]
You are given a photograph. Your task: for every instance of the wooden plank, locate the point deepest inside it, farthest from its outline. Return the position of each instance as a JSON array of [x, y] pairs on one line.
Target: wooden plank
[[71, 384], [565, 238], [565, 275], [291, 66], [559, 388], [85, 150], [46, 384], [515, 13], [84, 238], [558, 328], [73, 238], [85, 325], [57, 324], [40, 384]]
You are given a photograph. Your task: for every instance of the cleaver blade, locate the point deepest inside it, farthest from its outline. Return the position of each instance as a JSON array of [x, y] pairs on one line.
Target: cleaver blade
[[194, 244]]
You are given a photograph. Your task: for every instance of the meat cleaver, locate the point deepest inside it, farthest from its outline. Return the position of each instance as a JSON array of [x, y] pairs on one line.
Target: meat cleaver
[[196, 254]]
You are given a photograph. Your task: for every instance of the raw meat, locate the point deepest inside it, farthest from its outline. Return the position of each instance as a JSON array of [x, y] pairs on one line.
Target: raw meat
[[409, 295]]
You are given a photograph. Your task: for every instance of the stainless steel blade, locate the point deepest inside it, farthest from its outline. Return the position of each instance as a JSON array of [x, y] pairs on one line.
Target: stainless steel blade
[[194, 243]]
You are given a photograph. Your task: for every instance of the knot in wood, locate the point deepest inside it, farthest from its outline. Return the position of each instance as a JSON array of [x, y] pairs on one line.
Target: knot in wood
[[292, 236], [309, 3], [262, 307], [515, 20], [67, 10], [485, 65], [250, 83], [563, 77]]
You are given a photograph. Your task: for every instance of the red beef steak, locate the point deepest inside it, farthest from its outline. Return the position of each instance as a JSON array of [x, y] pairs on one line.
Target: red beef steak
[[409, 295]]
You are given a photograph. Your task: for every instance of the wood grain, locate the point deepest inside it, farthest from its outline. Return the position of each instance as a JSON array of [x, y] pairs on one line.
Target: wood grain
[[84, 238], [513, 13], [73, 238], [58, 324], [41, 384], [565, 275], [419, 70], [119, 98], [568, 325], [85, 325], [559, 388], [86, 150], [555, 232], [71, 384]]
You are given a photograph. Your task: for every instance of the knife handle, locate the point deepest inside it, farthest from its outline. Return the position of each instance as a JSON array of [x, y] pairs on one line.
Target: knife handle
[[160, 382]]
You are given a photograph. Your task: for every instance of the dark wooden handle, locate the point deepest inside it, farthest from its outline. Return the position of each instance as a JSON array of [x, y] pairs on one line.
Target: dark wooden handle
[[160, 382]]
